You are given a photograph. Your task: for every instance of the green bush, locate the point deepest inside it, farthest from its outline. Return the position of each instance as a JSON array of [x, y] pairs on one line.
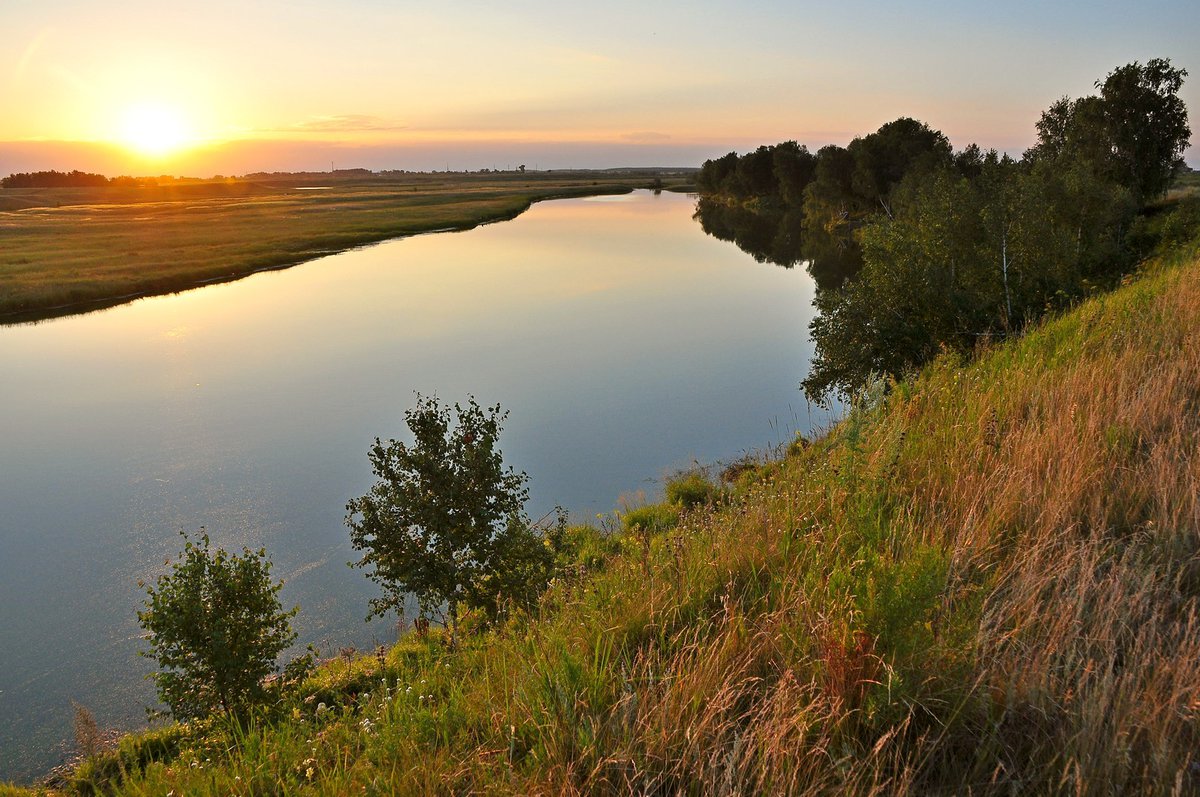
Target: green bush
[[98, 774], [216, 629], [692, 489], [652, 518]]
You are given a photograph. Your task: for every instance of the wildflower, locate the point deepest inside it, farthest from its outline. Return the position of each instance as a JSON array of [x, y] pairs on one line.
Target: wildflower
[[308, 773], [296, 713], [322, 708]]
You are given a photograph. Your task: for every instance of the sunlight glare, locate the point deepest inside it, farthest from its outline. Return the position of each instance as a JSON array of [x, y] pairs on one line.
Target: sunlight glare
[[154, 129]]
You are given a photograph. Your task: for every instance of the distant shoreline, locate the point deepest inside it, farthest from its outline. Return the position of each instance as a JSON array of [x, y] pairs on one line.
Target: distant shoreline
[[75, 251]]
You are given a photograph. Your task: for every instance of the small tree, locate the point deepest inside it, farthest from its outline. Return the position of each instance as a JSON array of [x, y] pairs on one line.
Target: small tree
[[216, 628], [444, 521]]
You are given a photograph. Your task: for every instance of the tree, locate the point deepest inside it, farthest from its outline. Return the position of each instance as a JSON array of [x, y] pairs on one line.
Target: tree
[[444, 520], [1146, 124], [883, 158], [1134, 133], [216, 629]]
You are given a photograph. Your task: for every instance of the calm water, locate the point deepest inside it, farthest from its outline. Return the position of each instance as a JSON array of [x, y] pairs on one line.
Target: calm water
[[623, 340]]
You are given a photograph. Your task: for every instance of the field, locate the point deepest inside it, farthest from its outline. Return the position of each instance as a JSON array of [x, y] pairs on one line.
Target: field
[[72, 250]]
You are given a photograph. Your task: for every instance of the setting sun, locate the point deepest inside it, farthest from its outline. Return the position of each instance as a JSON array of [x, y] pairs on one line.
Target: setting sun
[[155, 130]]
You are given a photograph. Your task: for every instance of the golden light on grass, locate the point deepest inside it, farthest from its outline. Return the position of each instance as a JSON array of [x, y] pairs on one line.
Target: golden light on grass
[[155, 129]]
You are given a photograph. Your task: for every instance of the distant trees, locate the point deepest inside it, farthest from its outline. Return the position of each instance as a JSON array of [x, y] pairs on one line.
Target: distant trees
[[918, 249], [216, 628], [54, 179], [444, 521]]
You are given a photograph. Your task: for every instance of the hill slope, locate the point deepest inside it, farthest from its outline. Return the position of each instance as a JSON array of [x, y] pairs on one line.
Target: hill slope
[[987, 580]]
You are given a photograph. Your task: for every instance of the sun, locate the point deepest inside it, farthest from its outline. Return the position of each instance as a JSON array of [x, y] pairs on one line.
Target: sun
[[154, 129]]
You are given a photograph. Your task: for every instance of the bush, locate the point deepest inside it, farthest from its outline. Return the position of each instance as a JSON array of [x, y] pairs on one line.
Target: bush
[[215, 628], [692, 489], [652, 518]]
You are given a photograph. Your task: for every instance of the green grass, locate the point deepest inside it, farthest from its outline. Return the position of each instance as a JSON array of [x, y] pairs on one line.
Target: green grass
[[983, 581], [68, 250]]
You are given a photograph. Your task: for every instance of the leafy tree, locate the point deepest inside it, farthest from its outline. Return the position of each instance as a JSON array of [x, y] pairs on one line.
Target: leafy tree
[[755, 174], [216, 628], [883, 158], [1134, 133], [1146, 124], [443, 522], [795, 167], [715, 174]]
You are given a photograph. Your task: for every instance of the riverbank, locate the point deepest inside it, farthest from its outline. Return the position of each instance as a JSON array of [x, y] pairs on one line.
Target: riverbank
[[985, 579], [74, 250]]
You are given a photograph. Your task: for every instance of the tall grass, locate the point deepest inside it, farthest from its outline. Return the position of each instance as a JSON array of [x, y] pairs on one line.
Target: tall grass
[[983, 582]]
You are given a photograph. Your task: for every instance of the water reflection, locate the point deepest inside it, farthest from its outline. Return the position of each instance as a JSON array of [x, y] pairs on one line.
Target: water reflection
[[624, 341], [781, 236]]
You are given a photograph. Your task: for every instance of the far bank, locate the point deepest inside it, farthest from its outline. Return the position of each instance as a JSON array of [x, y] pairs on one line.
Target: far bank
[[74, 250]]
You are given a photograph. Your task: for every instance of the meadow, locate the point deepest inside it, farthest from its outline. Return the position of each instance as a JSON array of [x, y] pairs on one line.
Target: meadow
[[69, 250]]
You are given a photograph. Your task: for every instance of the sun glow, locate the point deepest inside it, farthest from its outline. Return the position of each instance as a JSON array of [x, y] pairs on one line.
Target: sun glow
[[155, 130]]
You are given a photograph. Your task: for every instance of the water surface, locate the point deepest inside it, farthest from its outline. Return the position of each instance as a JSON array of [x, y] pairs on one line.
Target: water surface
[[624, 342]]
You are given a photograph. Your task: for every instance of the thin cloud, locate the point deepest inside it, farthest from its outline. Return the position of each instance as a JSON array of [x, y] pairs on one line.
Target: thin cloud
[[646, 137], [345, 123]]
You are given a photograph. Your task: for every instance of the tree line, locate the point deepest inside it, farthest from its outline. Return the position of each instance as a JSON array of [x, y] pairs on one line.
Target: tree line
[[918, 248], [73, 179]]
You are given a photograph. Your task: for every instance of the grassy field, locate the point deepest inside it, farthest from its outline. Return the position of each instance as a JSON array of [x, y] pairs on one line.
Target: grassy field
[[984, 581], [69, 250]]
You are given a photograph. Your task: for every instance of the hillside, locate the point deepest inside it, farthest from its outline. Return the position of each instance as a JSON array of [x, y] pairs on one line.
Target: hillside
[[986, 579]]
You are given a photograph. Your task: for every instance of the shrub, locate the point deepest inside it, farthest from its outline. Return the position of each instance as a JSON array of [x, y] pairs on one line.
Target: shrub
[[652, 518], [692, 489], [215, 628]]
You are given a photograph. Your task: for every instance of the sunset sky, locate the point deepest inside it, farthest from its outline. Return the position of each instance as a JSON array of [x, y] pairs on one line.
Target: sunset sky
[[232, 86]]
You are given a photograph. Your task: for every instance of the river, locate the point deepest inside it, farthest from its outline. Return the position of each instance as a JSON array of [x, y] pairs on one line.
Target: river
[[624, 342]]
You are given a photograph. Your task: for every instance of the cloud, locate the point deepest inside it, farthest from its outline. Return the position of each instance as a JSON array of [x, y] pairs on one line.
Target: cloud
[[345, 123], [646, 137]]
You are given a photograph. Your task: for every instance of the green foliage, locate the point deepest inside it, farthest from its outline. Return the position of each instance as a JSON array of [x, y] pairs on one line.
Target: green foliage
[[917, 250], [963, 260], [692, 489], [651, 518], [1167, 226], [99, 774], [215, 628], [1134, 132], [443, 522]]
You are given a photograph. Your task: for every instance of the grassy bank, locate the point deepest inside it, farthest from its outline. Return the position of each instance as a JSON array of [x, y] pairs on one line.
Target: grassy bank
[[69, 250], [984, 582]]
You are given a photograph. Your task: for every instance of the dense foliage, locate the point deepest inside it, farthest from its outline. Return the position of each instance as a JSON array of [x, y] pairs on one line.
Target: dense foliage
[[216, 628], [444, 520], [918, 249]]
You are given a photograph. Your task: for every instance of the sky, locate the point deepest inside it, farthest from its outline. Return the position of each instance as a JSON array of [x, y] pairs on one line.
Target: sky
[[235, 86]]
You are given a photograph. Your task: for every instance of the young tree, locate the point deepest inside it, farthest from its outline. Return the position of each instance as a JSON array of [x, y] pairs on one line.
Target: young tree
[[216, 628], [443, 522]]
